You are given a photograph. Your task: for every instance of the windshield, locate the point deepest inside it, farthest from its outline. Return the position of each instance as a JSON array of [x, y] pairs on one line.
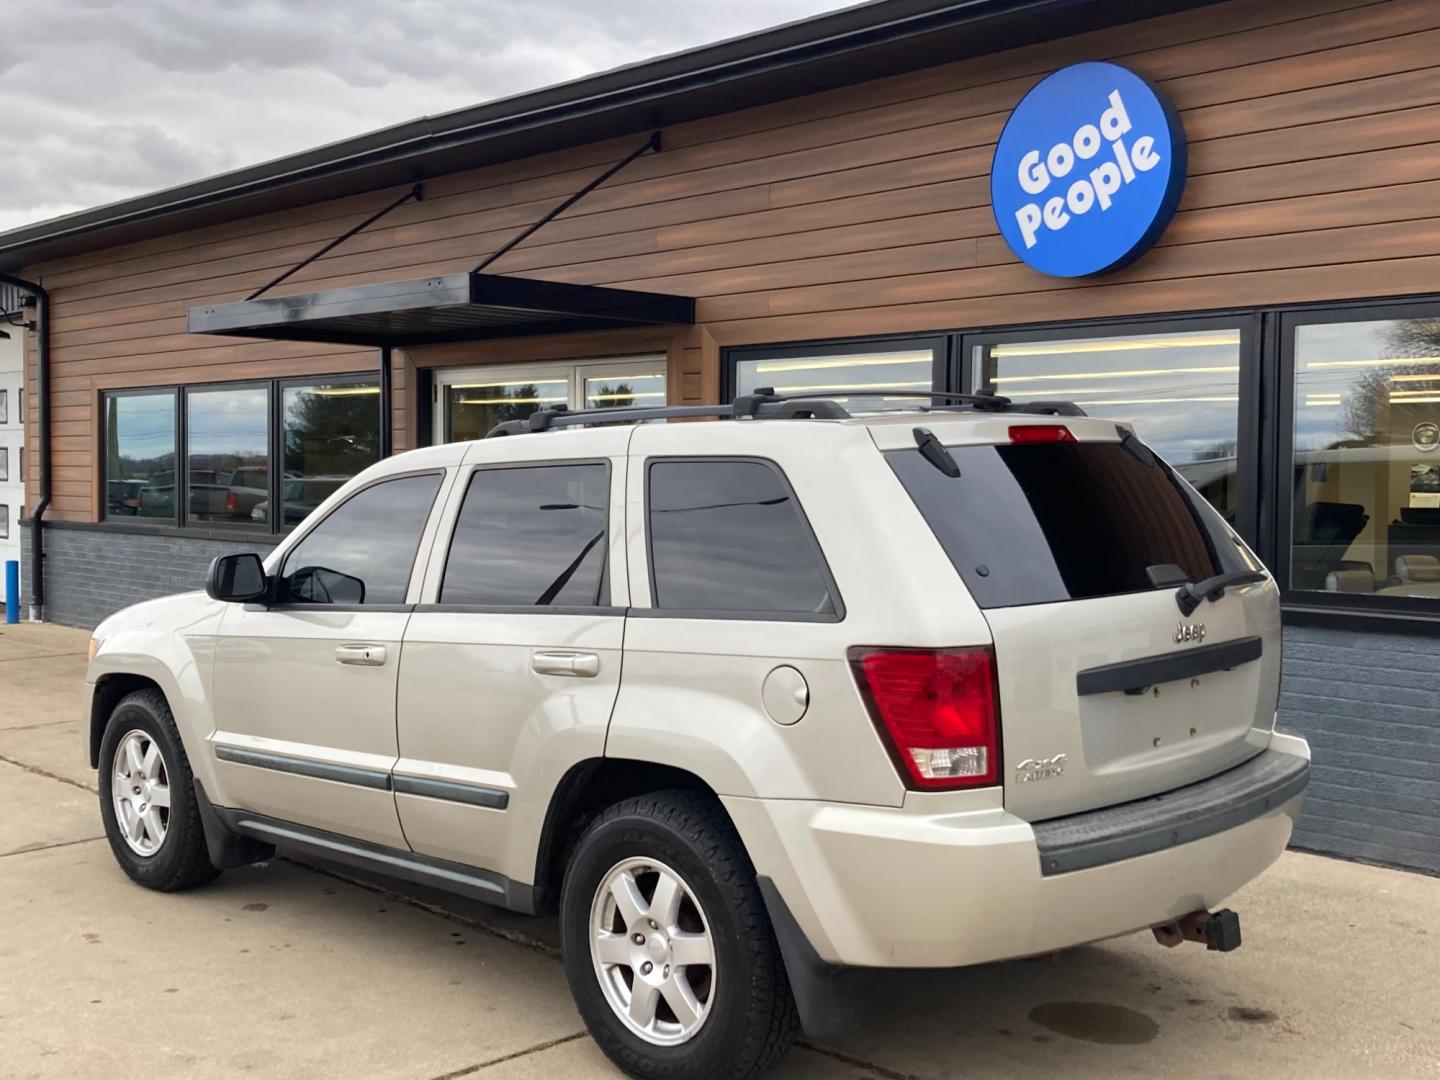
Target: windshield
[[1039, 523]]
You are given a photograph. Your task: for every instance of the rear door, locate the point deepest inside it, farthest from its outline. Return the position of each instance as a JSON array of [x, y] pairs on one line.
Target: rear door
[[512, 661], [1054, 536]]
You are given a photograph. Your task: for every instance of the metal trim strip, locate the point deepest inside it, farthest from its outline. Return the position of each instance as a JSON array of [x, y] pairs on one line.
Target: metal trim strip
[[452, 791], [318, 770]]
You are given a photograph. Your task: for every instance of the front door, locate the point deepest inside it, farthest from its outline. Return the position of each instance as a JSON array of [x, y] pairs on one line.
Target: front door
[[512, 663], [471, 401], [305, 689]]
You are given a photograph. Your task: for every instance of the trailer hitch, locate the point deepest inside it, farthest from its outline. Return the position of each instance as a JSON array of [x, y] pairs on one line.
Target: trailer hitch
[[1219, 930]]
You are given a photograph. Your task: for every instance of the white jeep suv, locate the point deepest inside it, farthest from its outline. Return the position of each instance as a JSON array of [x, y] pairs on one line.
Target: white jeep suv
[[753, 704]]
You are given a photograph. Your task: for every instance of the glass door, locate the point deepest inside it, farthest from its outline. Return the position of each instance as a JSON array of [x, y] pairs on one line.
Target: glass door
[[471, 401]]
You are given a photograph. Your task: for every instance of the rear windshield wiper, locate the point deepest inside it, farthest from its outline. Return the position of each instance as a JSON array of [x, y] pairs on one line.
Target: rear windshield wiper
[[933, 451], [1189, 597]]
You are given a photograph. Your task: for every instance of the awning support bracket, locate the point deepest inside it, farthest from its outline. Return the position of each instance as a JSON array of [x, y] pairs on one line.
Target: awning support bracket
[[651, 145], [417, 193]]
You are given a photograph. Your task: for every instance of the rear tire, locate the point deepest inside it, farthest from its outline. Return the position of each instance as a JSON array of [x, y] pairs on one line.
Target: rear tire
[[147, 797], [735, 1016]]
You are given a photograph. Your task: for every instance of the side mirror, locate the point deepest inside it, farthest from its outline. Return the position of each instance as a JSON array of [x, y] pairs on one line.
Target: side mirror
[[237, 579]]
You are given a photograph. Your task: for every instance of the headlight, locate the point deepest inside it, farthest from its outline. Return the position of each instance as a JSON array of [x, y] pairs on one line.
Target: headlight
[[94, 647]]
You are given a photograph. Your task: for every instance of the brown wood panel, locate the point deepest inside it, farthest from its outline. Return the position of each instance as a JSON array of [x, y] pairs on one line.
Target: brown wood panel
[[860, 210], [1336, 282], [676, 174]]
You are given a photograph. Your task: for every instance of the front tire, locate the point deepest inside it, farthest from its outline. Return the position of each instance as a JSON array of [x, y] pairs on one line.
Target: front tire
[[147, 797], [668, 948]]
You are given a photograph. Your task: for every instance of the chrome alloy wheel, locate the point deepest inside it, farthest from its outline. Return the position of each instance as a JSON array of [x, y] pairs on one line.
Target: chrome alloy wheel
[[140, 792], [650, 943]]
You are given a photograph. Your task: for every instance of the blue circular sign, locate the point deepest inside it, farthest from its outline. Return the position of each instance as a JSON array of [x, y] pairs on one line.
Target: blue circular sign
[[1088, 170]]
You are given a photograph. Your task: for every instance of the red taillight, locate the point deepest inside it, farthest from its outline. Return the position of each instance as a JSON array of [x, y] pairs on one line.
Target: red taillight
[[938, 710], [1040, 433], [230, 504]]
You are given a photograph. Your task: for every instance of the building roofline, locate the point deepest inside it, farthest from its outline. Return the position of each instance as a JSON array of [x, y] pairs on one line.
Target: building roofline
[[869, 40]]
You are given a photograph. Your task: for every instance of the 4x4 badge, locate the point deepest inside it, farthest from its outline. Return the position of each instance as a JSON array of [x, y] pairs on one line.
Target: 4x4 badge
[[1032, 769], [1189, 632]]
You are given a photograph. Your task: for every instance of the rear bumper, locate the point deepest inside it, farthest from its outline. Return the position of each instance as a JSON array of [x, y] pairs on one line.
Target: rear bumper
[[1239, 795], [925, 886]]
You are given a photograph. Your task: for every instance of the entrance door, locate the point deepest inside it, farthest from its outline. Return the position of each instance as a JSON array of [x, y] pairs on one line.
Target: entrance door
[[471, 401]]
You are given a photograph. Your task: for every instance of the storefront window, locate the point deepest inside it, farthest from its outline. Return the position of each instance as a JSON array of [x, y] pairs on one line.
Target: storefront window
[[227, 444], [477, 399], [1181, 391], [1366, 459], [889, 366], [140, 455], [622, 388], [473, 408], [330, 432]]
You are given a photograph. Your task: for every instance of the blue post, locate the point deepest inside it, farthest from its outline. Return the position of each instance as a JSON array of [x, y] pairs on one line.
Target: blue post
[[12, 590]]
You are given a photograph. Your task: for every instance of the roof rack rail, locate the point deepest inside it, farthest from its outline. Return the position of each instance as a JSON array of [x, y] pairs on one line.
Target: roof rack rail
[[767, 395], [766, 404]]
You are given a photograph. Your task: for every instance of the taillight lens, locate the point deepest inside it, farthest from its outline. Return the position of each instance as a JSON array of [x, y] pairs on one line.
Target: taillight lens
[[938, 711], [231, 504], [1040, 433]]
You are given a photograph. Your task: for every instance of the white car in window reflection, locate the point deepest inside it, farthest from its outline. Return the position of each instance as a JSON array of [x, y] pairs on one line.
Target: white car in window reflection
[[301, 497]]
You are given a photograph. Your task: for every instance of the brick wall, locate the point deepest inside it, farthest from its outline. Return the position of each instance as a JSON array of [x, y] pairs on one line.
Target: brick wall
[[1370, 706], [91, 574]]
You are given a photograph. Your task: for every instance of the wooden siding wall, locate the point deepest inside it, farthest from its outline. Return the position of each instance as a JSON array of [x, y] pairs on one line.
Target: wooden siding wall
[[1314, 174]]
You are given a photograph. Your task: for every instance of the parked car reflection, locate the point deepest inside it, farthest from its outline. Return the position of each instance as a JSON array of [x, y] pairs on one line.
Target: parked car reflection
[[301, 497]]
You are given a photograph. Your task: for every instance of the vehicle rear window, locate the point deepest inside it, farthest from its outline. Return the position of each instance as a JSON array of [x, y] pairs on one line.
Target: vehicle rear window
[[1039, 523], [727, 536]]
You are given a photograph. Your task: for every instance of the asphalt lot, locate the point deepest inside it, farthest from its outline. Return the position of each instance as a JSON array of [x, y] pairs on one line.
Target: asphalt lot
[[292, 969]]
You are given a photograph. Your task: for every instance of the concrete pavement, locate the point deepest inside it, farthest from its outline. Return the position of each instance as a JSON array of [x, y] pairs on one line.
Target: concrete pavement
[[292, 969]]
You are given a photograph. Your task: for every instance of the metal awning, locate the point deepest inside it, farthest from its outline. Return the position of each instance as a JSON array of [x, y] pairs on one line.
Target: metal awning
[[450, 307]]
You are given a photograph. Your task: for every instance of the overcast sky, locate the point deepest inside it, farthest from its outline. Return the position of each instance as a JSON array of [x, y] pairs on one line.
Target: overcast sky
[[103, 100]]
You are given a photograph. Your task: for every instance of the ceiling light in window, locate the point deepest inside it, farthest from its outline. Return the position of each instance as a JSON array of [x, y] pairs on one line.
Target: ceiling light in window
[[826, 363], [1220, 369], [1392, 362], [343, 391], [1054, 348]]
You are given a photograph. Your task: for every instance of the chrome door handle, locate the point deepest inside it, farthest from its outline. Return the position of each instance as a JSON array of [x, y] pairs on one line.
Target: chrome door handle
[[579, 665], [361, 655]]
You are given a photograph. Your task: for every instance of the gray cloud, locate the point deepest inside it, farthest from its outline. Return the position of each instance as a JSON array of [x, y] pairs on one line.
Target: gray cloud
[[103, 100]]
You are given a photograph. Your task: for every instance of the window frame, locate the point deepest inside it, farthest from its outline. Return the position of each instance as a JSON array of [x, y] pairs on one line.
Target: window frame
[[1247, 385], [462, 490], [302, 532], [274, 530], [941, 345], [655, 611], [1266, 423], [572, 372], [1316, 605], [102, 458]]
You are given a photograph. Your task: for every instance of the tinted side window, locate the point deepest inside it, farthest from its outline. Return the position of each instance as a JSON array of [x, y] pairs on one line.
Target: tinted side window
[[363, 552], [531, 536], [729, 536]]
